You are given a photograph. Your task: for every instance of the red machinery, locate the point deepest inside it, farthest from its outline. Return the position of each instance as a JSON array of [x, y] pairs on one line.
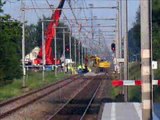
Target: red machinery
[[50, 34]]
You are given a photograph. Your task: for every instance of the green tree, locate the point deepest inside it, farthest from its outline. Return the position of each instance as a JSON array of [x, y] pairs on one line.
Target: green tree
[[10, 36], [1, 4], [31, 37], [134, 38], [34, 37], [134, 33], [156, 29], [156, 41]]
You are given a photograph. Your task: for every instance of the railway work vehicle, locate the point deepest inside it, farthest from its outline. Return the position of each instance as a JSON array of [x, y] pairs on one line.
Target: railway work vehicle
[[98, 64]]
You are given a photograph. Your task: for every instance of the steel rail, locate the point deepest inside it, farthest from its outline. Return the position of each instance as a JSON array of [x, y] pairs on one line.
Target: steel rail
[[11, 101], [94, 94], [90, 102], [50, 118]]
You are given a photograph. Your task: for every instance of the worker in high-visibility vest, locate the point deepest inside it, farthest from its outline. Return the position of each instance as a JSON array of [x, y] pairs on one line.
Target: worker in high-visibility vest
[[79, 69], [85, 70], [73, 70], [89, 69]]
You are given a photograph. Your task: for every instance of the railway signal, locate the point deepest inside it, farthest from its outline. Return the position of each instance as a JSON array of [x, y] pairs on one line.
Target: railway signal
[[67, 51], [67, 48], [113, 47]]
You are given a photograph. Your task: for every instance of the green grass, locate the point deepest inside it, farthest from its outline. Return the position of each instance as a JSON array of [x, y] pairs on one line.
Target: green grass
[[157, 88], [134, 71], [33, 81], [134, 93], [115, 92]]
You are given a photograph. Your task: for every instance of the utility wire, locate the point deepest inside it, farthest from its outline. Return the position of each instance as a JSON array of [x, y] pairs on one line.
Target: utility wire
[[35, 3], [75, 16], [84, 4], [48, 3], [10, 1], [73, 12], [62, 12], [35, 9]]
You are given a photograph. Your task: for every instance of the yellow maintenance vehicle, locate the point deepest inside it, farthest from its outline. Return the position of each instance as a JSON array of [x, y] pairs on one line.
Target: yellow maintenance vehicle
[[98, 64]]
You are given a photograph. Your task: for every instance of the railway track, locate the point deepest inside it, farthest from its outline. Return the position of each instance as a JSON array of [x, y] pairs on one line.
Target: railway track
[[71, 99], [77, 107], [15, 104]]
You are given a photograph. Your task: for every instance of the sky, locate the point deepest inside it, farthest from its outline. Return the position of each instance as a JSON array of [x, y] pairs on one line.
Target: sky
[[12, 7]]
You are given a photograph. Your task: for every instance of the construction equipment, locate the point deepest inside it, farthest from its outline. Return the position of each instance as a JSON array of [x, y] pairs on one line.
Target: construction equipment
[[99, 64], [49, 35]]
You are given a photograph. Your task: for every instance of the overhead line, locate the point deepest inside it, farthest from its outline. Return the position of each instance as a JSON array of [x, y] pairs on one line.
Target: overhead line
[[97, 26], [73, 13], [28, 8], [95, 19], [35, 3], [83, 9], [34, 8], [48, 3]]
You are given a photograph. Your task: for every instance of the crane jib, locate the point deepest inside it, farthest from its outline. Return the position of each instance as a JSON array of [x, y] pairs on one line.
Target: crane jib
[[49, 35]]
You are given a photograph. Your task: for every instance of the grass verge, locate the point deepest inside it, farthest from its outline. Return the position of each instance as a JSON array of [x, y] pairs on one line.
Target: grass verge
[[33, 81], [134, 93]]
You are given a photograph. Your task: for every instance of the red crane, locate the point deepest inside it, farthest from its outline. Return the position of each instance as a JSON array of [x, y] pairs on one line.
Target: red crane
[[50, 34]]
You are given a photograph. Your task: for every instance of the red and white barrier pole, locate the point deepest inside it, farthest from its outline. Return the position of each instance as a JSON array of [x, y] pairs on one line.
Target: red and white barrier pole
[[117, 83]]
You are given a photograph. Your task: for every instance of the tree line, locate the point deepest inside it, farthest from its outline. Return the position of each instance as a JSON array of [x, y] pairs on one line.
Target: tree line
[[134, 33], [10, 49], [11, 32], [34, 37], [135, 44], [10, 44]]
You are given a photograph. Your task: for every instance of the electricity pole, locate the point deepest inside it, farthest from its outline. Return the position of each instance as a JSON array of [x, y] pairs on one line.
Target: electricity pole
[[75, 52], [146, 57], [126, 51], [55, 50], [120, 28], [117, 36], [79, 49], [23, 43], [82, 54], [64, 51], [70, 44], [120, 35], [43, 50], [91, 6]]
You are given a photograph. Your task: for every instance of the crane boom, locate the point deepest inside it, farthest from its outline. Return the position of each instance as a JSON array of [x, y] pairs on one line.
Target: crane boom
[[49, 36]]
